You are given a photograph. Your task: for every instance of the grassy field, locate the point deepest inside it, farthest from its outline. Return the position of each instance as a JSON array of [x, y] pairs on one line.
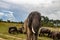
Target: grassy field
[[5, 35]]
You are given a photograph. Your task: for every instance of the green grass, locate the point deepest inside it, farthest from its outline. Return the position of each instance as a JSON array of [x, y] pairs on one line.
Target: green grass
[[4, 26], [7, 38], [4, 30]]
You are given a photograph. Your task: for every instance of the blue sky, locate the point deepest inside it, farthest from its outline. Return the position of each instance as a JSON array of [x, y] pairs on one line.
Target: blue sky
[[18, 10]]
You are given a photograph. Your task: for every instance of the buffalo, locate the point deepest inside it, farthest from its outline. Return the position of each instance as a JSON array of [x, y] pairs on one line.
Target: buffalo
[[33, 24], [12, 30], [55, 35], [20, 30], [44, 31]]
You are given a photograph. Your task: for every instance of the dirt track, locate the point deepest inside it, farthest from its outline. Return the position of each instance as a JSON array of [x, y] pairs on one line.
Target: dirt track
[[2, 39], [11, 37]]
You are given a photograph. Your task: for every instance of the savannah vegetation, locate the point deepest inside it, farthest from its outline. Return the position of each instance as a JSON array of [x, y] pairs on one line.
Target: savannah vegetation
[[53, 25]]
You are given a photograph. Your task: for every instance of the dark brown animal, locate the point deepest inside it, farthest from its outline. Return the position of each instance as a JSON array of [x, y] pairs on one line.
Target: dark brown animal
[[55, 35], [12, 30], [33, 25], [44, 31], [20, 30]]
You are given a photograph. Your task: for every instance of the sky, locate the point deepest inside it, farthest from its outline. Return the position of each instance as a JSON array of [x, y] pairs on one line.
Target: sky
[[18, 10]]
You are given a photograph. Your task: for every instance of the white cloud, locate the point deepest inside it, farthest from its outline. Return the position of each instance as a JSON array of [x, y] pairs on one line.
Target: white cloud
[[1, 14], [4, 5], [58, 14], [52, 16], [29, 1], [10, 16], [50, 8]]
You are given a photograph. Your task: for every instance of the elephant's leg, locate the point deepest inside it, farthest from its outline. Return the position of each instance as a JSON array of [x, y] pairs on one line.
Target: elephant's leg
[[29, 34], [34, 36]]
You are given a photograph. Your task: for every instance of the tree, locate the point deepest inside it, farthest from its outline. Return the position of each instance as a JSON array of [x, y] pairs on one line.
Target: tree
[[56, 23], [8, 21], [1, 20], [21, 22], [46, 20]]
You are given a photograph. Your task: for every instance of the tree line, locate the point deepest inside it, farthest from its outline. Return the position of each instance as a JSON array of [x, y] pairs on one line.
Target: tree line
[[8, 21], [45, 21]]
